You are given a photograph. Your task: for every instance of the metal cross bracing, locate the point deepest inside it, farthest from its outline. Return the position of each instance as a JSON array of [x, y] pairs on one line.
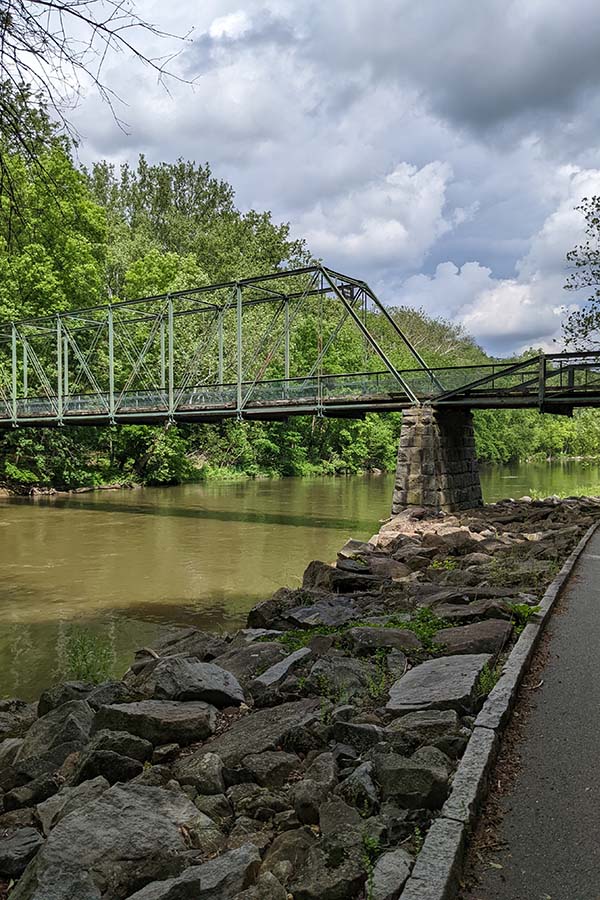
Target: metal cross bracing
[[259, 348]]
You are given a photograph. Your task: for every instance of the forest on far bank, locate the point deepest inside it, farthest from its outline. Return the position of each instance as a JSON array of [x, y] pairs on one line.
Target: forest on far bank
[[72, 238]]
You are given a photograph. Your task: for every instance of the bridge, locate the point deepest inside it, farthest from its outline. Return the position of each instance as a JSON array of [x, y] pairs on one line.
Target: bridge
[[268, 348]]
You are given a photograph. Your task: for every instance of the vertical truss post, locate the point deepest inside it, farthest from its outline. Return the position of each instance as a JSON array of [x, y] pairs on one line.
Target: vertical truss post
[[220, 340], [541, 381], [59, 370], [65, 367], [13, 381], [238, 294], [111, 364], [163, 368], [25, 369], [286, 351], [171, 343]]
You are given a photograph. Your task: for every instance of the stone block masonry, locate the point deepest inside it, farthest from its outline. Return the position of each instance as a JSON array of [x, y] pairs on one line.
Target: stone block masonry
[[437, 466]]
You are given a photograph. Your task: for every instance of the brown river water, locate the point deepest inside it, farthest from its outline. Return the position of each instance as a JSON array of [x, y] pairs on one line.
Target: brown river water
[[125, 563]]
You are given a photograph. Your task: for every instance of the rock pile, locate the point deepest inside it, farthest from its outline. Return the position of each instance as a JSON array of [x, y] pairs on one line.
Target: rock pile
[[302, 757]]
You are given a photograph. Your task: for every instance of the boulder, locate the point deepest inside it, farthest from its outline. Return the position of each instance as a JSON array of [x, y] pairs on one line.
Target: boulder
[[331, 871], [69, 723], [489, 636], [247, 661], [121, 742], [114, 845], [390, 874], [489, 608], [413, 783], [263, 730], [216, 807], [186, 678], [274, 676], [271, 768], [323, 577], [202, 770], [31, 793], [448, 682], [108, 764], [335, 816], [17, 849], [109, 692], [366, 640], [423, 727], [358, 735], [9, 749], [24, 770], [51, 811], [359, 790], [182, 641], [159, 721], [315, 787], [63, 693], [340, 677], [331, 612], [267, 887], [16, 717], [288, 853]]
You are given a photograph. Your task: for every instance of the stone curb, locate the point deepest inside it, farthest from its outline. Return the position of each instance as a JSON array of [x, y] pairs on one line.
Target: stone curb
[[438, 867]]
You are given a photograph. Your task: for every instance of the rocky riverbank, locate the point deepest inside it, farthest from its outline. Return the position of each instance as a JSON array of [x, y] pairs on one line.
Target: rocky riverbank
[[302, 757]]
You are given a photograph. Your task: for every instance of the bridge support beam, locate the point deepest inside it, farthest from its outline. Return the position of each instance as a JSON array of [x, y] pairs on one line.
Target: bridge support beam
[[437, 466]]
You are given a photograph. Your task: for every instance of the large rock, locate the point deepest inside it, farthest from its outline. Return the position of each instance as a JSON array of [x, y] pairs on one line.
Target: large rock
[[323, 577], [115, 845], [333, 870], [366, 640], [121, 742], [219, 879], [202, 770], [203, 645], [267, 683], [267, 887], [271, 768], [263, 730], [489, 636], [107, 764], [414, 783], [159, 721], [341, 677], [448, 682], [422, 727], [245, 662], [16, 716], [186, 678], [58, 694], [390, 874], [51, 811], [17, 849], [330, 612], [288, 853], [69, 723]]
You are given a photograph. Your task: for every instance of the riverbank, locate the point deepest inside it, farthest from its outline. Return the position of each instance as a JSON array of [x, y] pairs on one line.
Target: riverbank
[[308, 752]]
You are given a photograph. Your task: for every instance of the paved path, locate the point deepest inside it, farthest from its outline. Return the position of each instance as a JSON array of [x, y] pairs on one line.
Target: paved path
[[552, 817]]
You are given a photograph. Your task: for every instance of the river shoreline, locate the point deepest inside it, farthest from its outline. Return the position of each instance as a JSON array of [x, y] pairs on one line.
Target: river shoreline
[[308, 752]]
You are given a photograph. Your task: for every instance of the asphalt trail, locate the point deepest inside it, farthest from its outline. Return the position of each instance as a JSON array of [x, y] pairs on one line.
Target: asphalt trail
[[551, 821]]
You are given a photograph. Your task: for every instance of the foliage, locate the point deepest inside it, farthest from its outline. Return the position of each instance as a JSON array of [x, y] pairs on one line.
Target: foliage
[[521, 613], [487, 680], [372, 850], [423, 623], [582, 327], [88, 656]]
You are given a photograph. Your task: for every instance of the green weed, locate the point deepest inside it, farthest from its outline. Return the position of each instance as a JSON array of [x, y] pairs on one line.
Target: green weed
[[521, 613], [88, 657], [487, 680]]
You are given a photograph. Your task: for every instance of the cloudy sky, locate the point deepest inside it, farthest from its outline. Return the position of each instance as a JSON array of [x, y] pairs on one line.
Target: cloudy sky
[[435, 148]]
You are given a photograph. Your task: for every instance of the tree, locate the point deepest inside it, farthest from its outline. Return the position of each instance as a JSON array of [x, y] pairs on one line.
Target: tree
[[581, 329]]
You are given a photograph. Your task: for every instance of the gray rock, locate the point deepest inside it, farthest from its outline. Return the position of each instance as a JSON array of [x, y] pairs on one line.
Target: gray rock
[[357, 735], [445, 683], [263, 730], [216, 807], [246, 662], [410, 782], [31, 793], [323, 577], [165, 753], [63, 693], [108, 764], [159, 721], [51, 811], [275, 675], [121, 742], [218, 879], [107, 693], [359, 790], [365, 639], [203, 770], [422, 727], [203, 645], [271, 768], [16, 717], [331, 612], [332, 872], [462, 613], [390, 875], [186, 678], [257, 802], [111, 846], [17, 849], [24, 770], [340, 677], [337, 816], [69, 723], [287, 854], [9, 749], [488, 636], [267, 887]]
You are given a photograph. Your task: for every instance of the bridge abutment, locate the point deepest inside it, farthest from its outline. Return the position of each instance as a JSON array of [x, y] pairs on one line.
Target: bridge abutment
[[437, 466]]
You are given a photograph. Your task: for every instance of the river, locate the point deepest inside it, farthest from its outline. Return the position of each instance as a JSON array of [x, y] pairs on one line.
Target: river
[[125, 563]]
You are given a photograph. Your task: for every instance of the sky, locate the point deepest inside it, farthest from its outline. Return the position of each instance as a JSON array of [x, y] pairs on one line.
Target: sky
[[434, 148]]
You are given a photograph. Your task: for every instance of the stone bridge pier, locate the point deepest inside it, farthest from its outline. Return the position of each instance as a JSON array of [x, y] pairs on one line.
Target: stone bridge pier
[[437, 466]]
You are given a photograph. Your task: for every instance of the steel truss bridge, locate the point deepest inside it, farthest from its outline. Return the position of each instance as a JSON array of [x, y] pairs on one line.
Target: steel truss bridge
[[259, 348]]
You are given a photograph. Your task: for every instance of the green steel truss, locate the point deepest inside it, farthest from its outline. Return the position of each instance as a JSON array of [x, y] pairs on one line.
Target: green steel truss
[[263, 348]]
